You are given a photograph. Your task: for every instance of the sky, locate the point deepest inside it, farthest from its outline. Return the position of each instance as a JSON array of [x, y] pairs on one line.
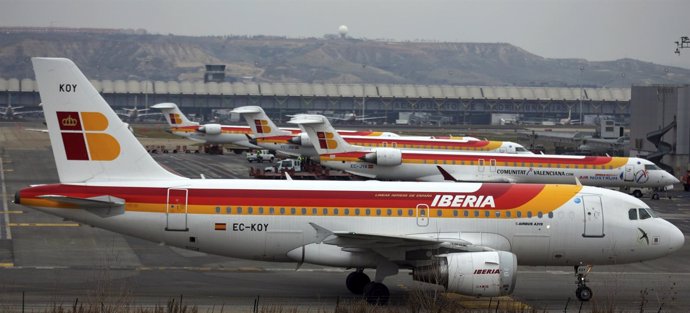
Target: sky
[[596, 30]]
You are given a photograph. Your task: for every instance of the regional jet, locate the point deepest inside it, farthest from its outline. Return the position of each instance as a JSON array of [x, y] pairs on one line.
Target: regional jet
[[468, 237], [269, 136], [395, 164]]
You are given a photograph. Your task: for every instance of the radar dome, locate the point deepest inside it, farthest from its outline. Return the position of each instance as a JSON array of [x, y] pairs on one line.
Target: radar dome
[[342, 30]]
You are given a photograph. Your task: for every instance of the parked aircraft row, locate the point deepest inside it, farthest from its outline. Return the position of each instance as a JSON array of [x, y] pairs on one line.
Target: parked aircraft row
[[468, 237], [391, 157], [262, 132]]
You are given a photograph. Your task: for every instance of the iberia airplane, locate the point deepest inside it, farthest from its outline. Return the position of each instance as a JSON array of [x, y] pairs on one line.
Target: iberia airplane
[[468, 237], [213, 133], [396, 164], [277, 139]]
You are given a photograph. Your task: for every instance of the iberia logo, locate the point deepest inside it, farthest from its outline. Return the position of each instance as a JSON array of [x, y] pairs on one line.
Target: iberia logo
[[175, 118], [326, 140], [84, 139], [262, 126]]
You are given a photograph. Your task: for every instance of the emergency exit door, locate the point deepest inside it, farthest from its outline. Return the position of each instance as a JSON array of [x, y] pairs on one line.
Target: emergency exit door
[[176, 210], [422, 215]]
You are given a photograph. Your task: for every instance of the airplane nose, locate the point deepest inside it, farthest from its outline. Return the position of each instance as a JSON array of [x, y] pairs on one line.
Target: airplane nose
[[673, 180], [676, 239]]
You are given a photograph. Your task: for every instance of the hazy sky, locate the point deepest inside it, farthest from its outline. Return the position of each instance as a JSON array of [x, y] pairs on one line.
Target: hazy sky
[[590, 29]]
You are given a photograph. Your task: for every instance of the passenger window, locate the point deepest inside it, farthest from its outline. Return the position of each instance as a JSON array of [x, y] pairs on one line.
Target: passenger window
[[529, 213], [389, 212], [550, 214], [410, 213], [632, 214], [239, 210], [644, 214], [498, 213], [519, 213], [304, 211], [261, 210], [466, 213], [476, 213], [378, 212], [539, 214], [293, 211], [487, 214], [439, 213], [217, 210], [325, 211], [282, 211], [347, 211], [357, 212], [271, 211], [228, 210], [335, 211], [399, 212], [507, 213]]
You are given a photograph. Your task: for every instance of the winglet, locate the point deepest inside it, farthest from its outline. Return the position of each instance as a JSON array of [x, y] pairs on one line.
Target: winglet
[[446, 175], [321, 233]]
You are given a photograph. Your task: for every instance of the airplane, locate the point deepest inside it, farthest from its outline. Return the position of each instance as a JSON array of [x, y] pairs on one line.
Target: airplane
[[211, 133], [396, 164], [134, 114], [468, 237], [11, 112], [275, 139], [569, 120], [353, 117]]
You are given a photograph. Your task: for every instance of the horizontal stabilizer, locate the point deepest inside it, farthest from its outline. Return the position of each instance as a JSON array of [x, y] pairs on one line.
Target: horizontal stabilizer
[[100, 202]]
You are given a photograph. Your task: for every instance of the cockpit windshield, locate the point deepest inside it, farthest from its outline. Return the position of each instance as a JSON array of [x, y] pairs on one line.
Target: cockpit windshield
[[651, 167], [641, 213]]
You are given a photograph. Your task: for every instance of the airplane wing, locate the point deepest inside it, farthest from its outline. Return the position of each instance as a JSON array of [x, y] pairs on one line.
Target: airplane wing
[[372, 241], [370, 118]]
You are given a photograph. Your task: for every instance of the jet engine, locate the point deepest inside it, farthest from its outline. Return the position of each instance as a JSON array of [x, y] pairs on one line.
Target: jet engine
[[483, 274], [210, 129], [384, 156], [301, 139]]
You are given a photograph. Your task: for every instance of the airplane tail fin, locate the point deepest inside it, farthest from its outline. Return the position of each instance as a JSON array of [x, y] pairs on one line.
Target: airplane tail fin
[[90, 143], [322, 134], [173, 115], [259, 122]]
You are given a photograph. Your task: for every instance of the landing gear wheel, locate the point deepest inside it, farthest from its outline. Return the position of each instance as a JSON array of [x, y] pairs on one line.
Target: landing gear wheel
[[583, 293], [655, 196], [637, 193], [376, 293], [356, 281]]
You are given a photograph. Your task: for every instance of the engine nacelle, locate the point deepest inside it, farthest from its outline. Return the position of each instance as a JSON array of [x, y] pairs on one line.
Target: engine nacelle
[[210, 129], [301, 139], [483, 274], [384, 156]]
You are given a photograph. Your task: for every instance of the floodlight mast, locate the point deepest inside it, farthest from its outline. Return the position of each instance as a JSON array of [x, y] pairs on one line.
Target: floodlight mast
[[682, 44]]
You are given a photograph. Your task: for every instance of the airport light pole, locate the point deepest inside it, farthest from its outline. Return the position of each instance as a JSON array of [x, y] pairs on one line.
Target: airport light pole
[[582, 68]]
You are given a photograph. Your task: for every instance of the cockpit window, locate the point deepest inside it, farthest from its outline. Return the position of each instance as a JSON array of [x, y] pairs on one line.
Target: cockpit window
[[644, 214], [520, 149], [632, 214], [650, 167]]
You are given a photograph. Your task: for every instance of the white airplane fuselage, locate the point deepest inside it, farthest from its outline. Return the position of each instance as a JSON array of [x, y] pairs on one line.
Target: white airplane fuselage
[[591, 171], [226, 217]]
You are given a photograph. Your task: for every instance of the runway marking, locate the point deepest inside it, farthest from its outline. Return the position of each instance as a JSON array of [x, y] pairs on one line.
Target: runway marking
[[44, 224], [5, 208], [6, 265], [15, 212]]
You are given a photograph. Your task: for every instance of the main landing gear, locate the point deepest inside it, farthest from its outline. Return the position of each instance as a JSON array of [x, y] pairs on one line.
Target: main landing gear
[[375, 292], [583, 292]]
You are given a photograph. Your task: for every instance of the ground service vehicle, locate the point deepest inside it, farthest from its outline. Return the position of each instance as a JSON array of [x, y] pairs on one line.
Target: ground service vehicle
[[285, 165], [260, 156], [468, 237]]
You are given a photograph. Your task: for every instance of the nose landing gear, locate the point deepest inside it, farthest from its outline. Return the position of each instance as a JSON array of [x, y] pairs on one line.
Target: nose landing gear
[[583, 292]]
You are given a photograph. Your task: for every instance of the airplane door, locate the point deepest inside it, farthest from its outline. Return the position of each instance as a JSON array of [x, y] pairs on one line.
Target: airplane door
[[492, 165], [480, 165], [422, 215], [176, 210], [629, 173], [594, 216]]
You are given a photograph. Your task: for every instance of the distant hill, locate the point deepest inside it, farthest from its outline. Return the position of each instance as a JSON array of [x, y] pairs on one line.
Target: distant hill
[[320, 60]]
